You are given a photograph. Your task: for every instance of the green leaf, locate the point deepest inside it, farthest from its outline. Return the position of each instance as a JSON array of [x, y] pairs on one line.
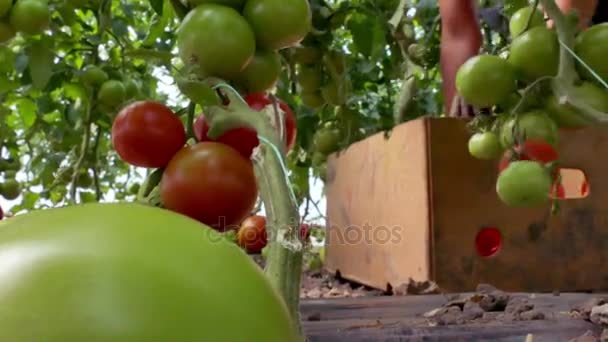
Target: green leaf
[[157, 6], [40, 64], [368, 34], [27, 109]]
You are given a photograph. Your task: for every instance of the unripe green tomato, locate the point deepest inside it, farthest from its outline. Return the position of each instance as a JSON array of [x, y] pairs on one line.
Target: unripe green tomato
[[11, 189], [112, 93], [485, 146], [30, 17], [5, 6], [6, 32], [94, 75], [131, 272]]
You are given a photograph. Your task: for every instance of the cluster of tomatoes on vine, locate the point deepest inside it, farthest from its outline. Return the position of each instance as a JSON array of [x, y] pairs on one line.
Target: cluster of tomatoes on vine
[[525, 134], [211, 181]]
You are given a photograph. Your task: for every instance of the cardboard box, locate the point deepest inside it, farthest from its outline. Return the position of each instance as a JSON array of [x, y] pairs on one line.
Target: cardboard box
[[410, 207]]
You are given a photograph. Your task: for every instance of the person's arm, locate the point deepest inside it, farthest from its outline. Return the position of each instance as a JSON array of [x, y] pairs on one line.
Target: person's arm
[[585, 9], [460, 40]]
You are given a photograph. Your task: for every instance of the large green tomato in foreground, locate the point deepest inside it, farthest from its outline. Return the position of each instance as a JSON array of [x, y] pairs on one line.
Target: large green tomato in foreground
[[128, 272]]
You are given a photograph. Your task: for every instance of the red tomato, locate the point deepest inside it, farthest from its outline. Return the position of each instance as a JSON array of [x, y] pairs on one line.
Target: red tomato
[[584, 188], [305, 232], [210, 182], [147, 134], [243, 140], [259, 101], [252, 234], [558, 191], [533, 150]]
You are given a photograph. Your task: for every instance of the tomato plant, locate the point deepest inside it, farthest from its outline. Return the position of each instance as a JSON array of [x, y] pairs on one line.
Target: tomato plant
[[252, 234], [139, 252], [217, 40], [485, 146], [148, 134], [244, 140], [485, 80], [524, 183], [209, 182], [261, 101], [278, 24]]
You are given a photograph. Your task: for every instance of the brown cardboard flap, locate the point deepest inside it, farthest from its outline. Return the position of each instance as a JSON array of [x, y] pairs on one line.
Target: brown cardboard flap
[[378, 223]]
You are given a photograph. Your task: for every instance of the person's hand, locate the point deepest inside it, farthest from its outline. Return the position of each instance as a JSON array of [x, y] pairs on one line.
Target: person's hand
[[461, 109]]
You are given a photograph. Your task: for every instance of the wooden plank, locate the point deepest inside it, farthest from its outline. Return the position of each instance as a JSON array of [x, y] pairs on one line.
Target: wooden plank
[[401, 319], [543, 331], [411, 306]]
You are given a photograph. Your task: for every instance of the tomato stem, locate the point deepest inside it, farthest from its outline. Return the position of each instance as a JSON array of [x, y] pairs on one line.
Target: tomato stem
[[565, 33], [284, 264]]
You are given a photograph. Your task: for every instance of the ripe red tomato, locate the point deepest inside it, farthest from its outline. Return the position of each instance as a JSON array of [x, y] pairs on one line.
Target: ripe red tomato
[[243, 140], [252, 234], [210, 182], [305, 232], [584, 188], [558, 191], [535, 150], [147, 134], [259, 101]]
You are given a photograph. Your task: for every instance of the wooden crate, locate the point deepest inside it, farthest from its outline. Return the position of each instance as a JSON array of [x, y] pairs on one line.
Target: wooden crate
[[410, 208]]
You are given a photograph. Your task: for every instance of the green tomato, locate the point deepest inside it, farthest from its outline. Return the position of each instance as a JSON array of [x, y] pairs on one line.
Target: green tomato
[[5, 6], [6, 32], [306, 54], [327, 140], [535, 53], [112, 93], [485, 80], [262, 72], [592, 48], [278, 24], [236, 4], [30, 16], [566, 116], [512, 6], [519, 20], [485, 146], [10, 190], [312, 100], [534, 125], [131, 88], [309, 78], [94, 75], [217, 39], [524, 183], [129, 272]]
